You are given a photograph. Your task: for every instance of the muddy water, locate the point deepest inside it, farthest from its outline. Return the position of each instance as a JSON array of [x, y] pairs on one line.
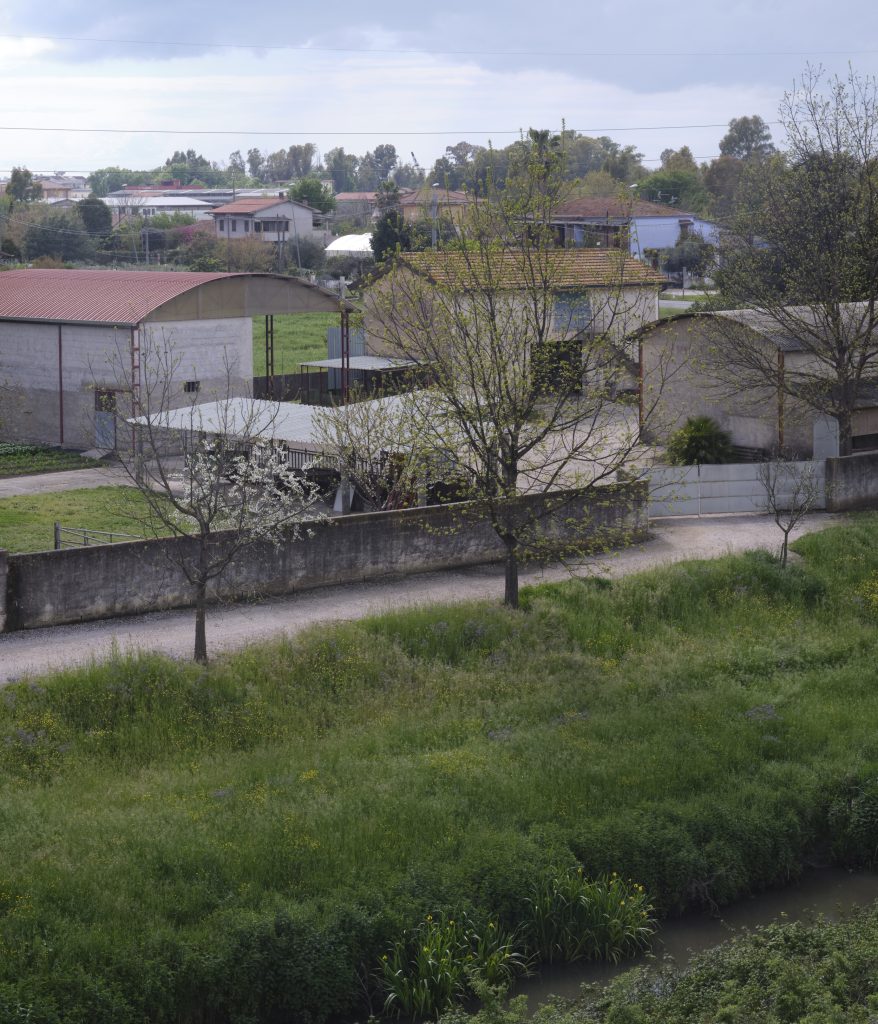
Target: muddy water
[[830, 892]]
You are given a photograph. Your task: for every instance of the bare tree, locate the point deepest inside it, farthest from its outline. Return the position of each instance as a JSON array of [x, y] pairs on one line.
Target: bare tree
[[801, 254], [525, 345], [211, 473], [792, 490], [377, 448]]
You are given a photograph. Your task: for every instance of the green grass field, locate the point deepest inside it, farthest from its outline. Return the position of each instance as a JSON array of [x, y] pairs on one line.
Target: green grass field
[[27, 521], [243, 842], [297, 337], [26, 459]]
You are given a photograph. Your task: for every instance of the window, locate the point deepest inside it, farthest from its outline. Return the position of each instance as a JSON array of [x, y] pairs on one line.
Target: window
[[257, 226], [222, 224], [246, 226], [234, 225], [191, 387], [286, 225], [571, 314]]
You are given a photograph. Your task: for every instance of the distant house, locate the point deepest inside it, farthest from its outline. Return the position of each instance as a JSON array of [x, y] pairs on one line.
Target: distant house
[[359, 207], [425, 203], [687, 371], [139, 205], [69, 340], [638, 225], [270, 220]]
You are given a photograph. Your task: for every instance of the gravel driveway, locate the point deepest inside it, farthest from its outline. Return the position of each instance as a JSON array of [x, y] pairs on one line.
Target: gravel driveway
[[230, 626]]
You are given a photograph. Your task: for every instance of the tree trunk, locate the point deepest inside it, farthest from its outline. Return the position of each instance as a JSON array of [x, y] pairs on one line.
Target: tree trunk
[[510, 598], [845, 432], [200, 622]]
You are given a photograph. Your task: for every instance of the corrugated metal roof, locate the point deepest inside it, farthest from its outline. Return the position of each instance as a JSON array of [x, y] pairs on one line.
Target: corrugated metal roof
[[121, 297], [562, 269]]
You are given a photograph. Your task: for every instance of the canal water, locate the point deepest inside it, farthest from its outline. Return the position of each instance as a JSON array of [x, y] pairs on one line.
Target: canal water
[[830, 892]]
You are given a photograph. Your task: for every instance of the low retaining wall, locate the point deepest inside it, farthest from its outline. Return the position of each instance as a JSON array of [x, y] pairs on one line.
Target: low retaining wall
[[852, 482], [54, 587]]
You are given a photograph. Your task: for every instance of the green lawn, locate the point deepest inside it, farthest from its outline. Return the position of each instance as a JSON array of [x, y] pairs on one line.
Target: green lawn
[[27, 521], [297, 337], [244, 842], [26, 459]]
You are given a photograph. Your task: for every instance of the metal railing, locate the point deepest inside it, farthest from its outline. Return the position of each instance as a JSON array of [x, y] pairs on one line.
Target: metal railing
[[79, 537]]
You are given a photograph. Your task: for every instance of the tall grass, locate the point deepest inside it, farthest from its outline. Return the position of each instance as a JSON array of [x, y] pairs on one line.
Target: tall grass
[[244, 842]]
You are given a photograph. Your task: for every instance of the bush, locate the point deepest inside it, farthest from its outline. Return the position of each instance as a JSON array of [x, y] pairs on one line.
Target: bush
[[700, 441]]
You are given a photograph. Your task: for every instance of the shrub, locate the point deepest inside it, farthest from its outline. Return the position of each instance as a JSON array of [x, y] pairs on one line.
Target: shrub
[[572, 917], [700, 441]]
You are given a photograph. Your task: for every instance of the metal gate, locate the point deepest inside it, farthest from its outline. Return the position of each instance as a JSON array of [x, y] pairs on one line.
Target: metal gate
[[708, 490]]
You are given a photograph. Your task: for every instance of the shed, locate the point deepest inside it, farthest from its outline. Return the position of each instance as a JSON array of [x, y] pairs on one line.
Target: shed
[[78, 345]]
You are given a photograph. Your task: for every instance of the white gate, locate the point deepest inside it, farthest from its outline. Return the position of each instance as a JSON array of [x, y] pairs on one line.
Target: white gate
[[707, 490]]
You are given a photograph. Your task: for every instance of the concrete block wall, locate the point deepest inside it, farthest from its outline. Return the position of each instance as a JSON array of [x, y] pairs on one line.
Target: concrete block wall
[[52, 371], [54, 587], [852, 482]]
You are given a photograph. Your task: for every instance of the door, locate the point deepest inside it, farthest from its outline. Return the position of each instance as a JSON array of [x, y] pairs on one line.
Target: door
[[105, 419]]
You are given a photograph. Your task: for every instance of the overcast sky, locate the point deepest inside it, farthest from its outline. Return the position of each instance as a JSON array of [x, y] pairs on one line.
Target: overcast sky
[[419, 76]]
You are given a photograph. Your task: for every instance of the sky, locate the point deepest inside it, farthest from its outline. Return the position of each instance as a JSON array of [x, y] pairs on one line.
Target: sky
[[84, 86]]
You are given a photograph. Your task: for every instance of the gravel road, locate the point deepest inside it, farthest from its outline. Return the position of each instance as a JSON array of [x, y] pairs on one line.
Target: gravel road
[[32, 652]]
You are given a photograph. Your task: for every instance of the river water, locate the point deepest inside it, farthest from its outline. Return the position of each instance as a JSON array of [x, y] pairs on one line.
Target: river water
[[831, 892]]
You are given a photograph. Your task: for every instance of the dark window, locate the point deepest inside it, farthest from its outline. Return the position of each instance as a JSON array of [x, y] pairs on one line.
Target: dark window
[[191, 386], [105, 401], [257, 226], [246, 226], [864, 442], [234, 224], [222, 224]]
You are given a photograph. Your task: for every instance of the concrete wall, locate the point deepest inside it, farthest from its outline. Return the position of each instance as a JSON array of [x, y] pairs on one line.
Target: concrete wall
[[733, 487], [852, 482], [73, 585], [680, 380], [52, 371]]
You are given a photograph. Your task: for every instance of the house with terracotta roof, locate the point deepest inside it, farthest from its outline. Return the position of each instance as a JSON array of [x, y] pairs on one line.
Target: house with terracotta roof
[[434, 201], [587, 292], [638, 225], [270, 219], [78, 347], [359, 207]]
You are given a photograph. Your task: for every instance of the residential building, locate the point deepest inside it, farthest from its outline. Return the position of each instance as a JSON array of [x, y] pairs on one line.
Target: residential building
[[279, 219], [687, 370], [638, 225]]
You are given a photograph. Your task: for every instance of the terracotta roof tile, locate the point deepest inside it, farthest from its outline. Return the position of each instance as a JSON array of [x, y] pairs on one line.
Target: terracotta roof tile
[[563, 269], [595, 207], [250, 205]]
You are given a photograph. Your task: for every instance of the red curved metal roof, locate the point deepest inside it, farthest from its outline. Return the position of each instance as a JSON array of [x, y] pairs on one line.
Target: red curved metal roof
[[122, 297]]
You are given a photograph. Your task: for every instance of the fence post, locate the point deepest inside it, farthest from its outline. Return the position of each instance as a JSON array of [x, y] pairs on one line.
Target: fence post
[[57, 536], [4, 576]]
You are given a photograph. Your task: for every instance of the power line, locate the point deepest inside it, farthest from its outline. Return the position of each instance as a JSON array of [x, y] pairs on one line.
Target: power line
[[337, 132], [445, 53]]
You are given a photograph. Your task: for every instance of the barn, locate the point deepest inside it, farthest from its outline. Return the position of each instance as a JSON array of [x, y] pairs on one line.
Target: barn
[[78, 346]]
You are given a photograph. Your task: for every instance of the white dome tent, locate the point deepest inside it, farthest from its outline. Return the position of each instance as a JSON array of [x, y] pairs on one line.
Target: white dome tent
[[351, 245]]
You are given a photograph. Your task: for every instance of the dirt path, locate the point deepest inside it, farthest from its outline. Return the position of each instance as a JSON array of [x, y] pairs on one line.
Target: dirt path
[[31, 652], [63, 480]]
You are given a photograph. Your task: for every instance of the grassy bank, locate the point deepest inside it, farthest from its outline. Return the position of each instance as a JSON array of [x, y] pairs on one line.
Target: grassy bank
[[297, 337], [244, 843], [27, 459], [27, 521], [815, 973]]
